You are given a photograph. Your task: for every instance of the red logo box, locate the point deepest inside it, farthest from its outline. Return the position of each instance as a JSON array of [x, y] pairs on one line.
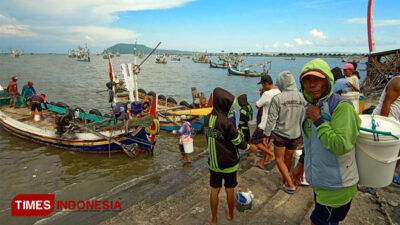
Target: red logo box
[[32, 205]]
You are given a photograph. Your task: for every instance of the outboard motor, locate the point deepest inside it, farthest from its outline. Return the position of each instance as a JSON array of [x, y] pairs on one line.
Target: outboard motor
[[63, 122]]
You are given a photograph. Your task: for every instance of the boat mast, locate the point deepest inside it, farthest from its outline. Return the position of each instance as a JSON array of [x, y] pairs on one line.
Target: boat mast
[[135, 73]]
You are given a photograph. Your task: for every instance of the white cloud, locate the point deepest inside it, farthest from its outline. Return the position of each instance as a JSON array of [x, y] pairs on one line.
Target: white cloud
[[74, 21], [318, 34], [300, 42], [84, 12], [101, 34], [16, 30], [276, 45], [10, 27], [287, 45], [377, 23]]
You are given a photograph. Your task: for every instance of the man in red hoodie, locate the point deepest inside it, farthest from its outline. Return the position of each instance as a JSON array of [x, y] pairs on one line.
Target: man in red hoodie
[[13, 90]]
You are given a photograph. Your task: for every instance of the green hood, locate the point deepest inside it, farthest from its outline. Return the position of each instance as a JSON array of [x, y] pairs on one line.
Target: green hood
[[322, 67]]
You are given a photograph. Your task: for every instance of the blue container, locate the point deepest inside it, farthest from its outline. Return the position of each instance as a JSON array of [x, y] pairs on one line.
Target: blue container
[[137, 107]]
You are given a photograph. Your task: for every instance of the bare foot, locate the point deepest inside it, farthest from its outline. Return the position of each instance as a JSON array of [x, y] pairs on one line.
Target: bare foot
[[269, 161], [260, 164], [228, 215], [272, 157], [210, 220]]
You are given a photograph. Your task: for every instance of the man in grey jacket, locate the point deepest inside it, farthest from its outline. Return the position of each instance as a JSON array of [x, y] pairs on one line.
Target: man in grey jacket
[[284, 126]]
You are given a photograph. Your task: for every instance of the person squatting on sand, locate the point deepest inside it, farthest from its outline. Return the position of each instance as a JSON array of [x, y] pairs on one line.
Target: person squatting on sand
[[329, 130], [223, 140], [284, 126]]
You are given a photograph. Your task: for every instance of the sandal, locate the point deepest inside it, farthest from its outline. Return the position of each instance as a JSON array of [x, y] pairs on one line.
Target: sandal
[[396, 180], [283, 188]]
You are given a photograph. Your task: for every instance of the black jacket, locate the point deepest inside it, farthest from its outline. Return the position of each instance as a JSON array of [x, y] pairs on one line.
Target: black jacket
[[246, 112], [222, 136]]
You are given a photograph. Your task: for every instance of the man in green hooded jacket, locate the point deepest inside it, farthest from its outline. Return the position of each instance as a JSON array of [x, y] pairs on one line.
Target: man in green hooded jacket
[[223, 141], [329, 129]]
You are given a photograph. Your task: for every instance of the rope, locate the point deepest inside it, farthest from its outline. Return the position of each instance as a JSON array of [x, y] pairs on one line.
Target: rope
[[374, 132]]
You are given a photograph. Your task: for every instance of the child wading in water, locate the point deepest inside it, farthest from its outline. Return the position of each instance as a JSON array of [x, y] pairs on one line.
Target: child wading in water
[[185, 131]]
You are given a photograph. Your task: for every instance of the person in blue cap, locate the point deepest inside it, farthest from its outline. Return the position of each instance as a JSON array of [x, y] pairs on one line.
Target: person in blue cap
[[120, 111]]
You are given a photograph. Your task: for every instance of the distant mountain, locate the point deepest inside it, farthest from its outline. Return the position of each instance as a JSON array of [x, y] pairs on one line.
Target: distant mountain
[[128, 49]]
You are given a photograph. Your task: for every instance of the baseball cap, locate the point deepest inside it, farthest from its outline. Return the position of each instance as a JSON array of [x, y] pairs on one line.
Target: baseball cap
[[348, 66], [313, 73], [266, 79]]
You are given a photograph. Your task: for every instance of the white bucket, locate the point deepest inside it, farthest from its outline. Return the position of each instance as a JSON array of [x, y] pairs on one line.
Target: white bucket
[[188, 145], [354, 97], [36, 116], [376, 160], [296, 157]]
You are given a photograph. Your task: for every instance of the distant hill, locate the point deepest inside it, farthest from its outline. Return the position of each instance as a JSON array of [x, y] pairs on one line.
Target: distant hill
[[128, 49]]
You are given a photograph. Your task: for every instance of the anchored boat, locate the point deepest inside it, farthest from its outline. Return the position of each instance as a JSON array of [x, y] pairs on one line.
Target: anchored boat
[[75, 130]]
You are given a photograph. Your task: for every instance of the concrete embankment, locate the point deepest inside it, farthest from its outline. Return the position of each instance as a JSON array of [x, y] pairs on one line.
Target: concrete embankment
[[190, 205]]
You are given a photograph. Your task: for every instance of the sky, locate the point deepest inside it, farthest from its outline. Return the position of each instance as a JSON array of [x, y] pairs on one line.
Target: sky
[[334, 26]]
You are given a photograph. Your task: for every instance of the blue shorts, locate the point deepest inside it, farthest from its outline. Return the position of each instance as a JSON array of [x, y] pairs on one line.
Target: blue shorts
[[325, 215]]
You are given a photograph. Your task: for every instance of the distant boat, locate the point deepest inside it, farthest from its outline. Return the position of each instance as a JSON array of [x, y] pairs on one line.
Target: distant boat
[[72, 53], [83, 54], [200, 59], [356, 59], [233, 70], [15, 53], [107, 52], [161, 59], [175, 59], [290, 58], [220, 66]]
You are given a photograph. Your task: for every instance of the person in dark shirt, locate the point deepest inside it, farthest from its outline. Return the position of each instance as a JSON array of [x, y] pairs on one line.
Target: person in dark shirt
[[246, 115], [36, 104], [223, 141]]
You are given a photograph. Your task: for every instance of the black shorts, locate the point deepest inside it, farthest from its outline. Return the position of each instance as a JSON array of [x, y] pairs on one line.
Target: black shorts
[[37, 106], [230, 180], [182, 149], [289, 144], [257, 137], [325, 215]]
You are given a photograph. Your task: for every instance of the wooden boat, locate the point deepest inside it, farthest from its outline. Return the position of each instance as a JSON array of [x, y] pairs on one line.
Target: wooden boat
[[161, 59], [201, 59], [85, 132], [220, 66], [127, 91], [247, 73], [233, 70]]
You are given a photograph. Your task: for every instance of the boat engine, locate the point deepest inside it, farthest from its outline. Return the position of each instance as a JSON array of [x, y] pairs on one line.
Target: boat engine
[[63, 122]]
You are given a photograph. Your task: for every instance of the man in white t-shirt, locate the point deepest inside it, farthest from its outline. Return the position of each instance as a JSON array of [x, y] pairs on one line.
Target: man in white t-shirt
[[263, 104], [352, 79]]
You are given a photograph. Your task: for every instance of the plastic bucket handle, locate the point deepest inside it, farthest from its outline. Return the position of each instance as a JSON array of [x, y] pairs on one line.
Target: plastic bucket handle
[[379, 160]]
